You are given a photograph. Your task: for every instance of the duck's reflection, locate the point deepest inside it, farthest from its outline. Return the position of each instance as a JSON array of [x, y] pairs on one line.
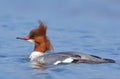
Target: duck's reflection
[[37, 66], [40, 66]]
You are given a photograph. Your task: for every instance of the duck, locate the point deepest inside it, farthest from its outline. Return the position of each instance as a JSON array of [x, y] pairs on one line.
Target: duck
[[42, 44]]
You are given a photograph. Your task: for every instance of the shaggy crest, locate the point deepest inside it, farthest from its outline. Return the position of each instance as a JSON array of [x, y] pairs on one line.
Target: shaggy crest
[[40, 31]]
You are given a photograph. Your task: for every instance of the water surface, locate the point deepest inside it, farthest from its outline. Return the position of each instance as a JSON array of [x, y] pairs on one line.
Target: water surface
[[91, 27]]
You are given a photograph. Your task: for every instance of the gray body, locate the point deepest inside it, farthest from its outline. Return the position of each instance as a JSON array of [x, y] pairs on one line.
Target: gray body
[[77, 57]]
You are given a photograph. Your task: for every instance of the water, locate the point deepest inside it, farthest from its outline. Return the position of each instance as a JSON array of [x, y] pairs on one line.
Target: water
[[73, 25]]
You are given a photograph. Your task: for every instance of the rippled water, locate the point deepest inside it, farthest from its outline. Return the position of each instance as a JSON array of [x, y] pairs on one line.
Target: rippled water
[[73, 25]]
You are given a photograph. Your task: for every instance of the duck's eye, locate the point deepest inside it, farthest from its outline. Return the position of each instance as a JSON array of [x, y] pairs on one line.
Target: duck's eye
[[32, 36]]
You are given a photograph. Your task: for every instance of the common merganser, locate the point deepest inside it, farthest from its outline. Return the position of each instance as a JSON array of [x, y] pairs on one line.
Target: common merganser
[[43, 44]]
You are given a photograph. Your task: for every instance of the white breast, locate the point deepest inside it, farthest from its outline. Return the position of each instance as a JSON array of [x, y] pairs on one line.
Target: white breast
[[35, 54]]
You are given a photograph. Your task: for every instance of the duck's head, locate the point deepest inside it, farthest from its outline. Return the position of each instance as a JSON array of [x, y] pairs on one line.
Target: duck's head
[[39, 38]]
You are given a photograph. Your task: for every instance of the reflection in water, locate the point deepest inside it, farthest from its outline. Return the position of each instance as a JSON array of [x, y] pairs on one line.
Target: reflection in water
[[38, 66]]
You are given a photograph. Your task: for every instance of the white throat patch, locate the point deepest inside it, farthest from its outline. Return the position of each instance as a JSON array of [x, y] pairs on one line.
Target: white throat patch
[[35, 54], [30, 40]]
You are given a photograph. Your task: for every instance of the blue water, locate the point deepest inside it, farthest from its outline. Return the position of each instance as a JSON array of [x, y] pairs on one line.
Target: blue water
[[89, 26]]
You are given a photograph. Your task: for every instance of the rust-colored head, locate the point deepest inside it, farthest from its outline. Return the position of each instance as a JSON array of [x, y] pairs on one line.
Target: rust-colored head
[[38, 36]]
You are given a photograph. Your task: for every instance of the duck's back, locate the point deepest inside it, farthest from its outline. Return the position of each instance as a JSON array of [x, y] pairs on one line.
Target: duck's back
[[71, 57]]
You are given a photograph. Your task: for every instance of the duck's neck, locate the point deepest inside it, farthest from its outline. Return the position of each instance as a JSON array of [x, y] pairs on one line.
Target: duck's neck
[[40, 47], [39, 50]]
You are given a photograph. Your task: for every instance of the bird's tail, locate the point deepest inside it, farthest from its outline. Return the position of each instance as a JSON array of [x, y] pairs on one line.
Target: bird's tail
[[109, 60]]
